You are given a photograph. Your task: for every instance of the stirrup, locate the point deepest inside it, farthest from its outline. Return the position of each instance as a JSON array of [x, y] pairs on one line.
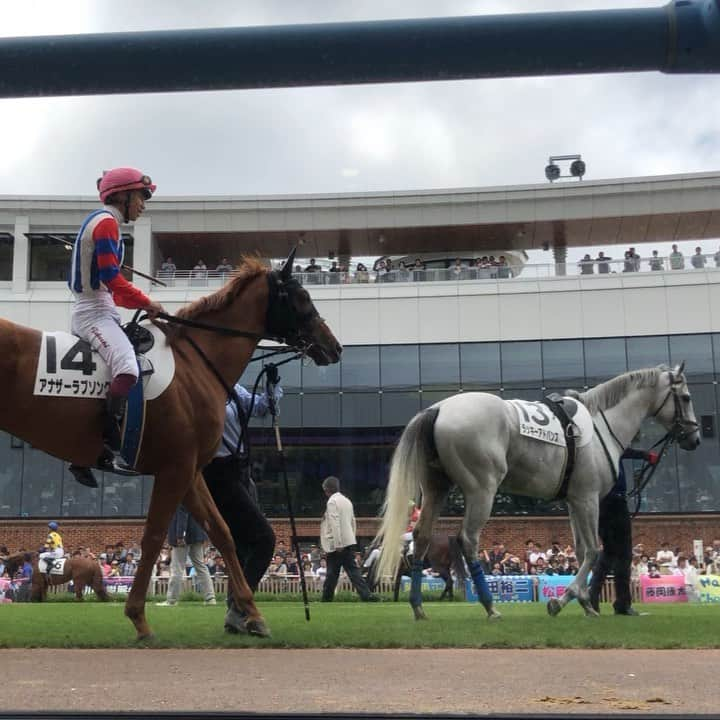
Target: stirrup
[[113, 462]]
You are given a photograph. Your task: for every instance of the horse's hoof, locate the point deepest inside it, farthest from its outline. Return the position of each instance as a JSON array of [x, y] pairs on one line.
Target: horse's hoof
[[494, 615], [419, 613], [258, 628], [591, 612], [146, 639], [553, 607]]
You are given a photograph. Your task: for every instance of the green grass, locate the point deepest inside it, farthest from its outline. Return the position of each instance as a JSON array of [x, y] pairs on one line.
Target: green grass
[[360, 625]]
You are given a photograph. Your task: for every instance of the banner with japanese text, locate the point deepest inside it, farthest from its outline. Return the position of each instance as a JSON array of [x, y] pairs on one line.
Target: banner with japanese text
[[552, 586], [504, 588], [667, 588], [429, 583], [707, 588]]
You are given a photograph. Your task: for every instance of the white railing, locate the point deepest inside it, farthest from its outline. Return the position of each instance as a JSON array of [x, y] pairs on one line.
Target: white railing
[[585, 269]]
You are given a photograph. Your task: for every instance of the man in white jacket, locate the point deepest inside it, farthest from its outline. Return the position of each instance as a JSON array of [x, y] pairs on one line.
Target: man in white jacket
[[337, 537]]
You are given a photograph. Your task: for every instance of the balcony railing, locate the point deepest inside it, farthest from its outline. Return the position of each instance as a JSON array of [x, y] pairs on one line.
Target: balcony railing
[[584, 269]]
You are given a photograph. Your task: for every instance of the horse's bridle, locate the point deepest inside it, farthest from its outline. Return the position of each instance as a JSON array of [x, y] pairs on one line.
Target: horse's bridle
[[680, 427]]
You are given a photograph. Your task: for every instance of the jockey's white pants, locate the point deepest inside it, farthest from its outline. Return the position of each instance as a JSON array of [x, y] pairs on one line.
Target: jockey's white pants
[[100, 326], [55, 554]]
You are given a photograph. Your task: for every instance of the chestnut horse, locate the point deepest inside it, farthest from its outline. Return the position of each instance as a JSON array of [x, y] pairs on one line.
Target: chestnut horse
[[83, 572], [183, 426]]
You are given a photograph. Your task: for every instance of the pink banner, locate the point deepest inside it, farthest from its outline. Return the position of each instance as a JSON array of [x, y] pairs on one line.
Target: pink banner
[[668, 588]]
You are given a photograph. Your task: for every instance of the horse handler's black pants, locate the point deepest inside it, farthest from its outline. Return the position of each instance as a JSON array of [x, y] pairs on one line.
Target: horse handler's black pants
[[232, 489], [615, 531], [344, 558]]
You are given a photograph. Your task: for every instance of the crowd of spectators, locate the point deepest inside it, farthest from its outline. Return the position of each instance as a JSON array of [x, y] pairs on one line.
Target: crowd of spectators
[[121, 561], [632, 262]]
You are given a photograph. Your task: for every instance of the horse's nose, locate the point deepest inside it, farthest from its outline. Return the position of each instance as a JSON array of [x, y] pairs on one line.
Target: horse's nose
[[338, 348]]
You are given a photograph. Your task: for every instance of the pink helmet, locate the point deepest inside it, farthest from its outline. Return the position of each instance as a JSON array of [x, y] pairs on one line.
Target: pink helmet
[[124, 178]]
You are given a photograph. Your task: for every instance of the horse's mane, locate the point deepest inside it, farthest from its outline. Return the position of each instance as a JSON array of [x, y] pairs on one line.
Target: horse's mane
[[609, 394], [250, 268]]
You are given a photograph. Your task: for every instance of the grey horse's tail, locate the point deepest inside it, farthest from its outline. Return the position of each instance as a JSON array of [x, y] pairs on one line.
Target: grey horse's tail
[[408, 473]]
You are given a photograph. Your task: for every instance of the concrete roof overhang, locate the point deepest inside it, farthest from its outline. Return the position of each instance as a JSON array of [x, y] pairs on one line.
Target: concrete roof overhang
[[625, 211]]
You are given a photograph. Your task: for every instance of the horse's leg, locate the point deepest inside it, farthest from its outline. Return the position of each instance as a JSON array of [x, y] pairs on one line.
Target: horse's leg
[[478, 505], [434, 494], [200, 503], [446, 575], [98, 586], [169, 488], [584, 524], [79, 587]]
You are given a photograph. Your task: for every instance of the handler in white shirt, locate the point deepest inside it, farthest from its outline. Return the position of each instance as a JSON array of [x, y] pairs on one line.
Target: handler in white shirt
[[337, 537]]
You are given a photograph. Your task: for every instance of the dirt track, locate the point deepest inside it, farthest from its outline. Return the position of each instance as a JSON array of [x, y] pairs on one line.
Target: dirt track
[[477, 681]]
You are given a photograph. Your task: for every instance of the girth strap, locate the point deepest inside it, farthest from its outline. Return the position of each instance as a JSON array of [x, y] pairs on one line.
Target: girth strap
[[554, 402]]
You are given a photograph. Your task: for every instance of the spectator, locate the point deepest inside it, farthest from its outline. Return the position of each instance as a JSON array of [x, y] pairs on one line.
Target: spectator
[[629, 262], [418, 270], [224, 267], [199, 270], [381, 271], [337, 534], [716, 257], [503, 268], [104, 564], [168, 268], [315, 556], [497, 553], [635, 258], [664, 556], [677, 260], [336, 273], [603, 263], [698, 260], [187, 538], [361, 274], [554, 549], [129, 567], [586, 265], [656, 262], [313, 267]]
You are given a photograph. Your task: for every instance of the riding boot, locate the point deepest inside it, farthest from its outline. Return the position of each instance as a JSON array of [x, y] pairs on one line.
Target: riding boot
[[111, 460], [84, 475]]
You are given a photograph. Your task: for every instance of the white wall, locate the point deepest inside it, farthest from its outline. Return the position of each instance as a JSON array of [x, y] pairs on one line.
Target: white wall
[[472, 311]]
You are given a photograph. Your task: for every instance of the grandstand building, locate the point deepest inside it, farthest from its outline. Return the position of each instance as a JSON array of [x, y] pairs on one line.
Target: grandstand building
[[411, 337]]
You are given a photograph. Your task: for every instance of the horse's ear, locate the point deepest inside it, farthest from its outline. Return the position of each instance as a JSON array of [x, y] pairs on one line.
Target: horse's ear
[[286, 273], [681, 368]]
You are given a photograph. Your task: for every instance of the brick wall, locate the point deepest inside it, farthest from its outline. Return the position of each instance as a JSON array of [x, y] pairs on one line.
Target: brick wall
[[678, 530]]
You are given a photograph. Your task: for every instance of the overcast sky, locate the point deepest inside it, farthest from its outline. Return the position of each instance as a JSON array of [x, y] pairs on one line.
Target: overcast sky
[[346, 139]]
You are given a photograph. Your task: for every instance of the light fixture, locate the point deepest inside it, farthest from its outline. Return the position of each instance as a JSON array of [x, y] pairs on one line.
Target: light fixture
[[553, 171], [381, 238]]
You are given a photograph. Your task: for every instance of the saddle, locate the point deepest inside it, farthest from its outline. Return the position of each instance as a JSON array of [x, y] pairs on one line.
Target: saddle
[[564, 409]]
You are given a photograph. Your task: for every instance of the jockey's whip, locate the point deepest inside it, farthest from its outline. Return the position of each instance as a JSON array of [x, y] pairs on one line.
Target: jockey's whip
[[70, 245], [271, 380]]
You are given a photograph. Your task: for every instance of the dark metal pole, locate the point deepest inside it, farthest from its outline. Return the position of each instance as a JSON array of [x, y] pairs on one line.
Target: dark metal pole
[[681, 37], [271, 378]]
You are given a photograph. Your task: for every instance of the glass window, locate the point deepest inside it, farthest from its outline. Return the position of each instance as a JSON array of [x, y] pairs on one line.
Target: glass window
[[428, 398], [289, 373], [480, 365], [42, 484], [11, 462], [50, 259], [604, 359], [321, 378], [646, 352], [440, 366], [697, 352], [121, 496], [360, 367], [361, 409], [78, 500], [7, 243], [399, 366], [321, 410], [563, 362], [521, 363], [399, 407]]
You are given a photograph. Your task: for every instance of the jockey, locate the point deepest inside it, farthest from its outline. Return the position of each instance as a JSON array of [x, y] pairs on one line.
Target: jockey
[[53, 546], [98, 286]]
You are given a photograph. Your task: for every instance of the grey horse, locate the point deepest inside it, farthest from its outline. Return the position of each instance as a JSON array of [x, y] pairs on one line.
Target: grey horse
[[474, 440]]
